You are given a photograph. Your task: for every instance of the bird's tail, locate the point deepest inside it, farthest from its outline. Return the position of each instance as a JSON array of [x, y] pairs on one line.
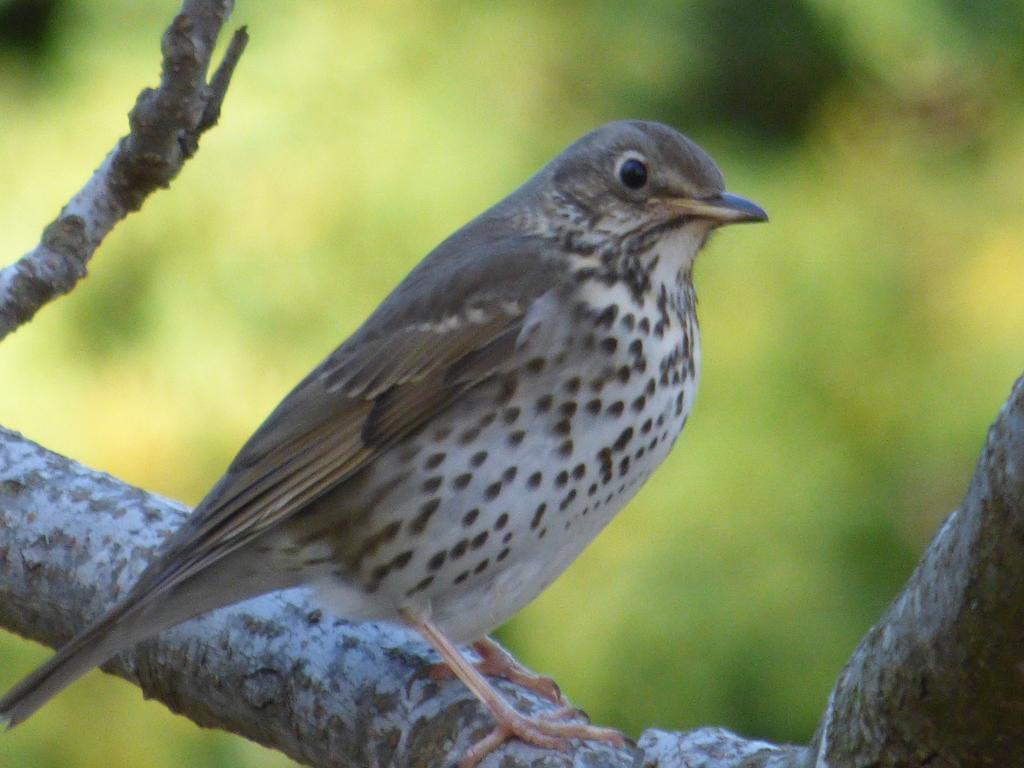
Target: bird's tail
[[93, 646], [151, 607]]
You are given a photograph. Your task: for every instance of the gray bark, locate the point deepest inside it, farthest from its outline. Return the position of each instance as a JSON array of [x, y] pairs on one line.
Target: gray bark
[[277, 670], [936, 683], [165, 126], [939, 681]]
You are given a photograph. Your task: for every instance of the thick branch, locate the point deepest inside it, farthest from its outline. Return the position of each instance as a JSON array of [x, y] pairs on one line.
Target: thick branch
[[277, 670], [935, 683], [939, 681], [165, 123]]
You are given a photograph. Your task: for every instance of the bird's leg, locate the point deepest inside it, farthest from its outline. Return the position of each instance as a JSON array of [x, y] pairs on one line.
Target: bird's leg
[[549, 730], [495, 661]]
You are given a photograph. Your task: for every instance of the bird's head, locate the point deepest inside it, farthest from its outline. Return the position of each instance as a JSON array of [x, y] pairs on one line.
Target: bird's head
[[630, 176]]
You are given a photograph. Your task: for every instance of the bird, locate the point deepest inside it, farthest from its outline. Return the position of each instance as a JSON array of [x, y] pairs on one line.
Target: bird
[[455, 454]]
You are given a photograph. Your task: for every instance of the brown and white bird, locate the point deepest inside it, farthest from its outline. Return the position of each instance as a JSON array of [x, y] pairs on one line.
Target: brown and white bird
[[449, 460]]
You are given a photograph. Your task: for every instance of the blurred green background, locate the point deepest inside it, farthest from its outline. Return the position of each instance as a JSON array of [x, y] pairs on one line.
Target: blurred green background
[[855, 349]]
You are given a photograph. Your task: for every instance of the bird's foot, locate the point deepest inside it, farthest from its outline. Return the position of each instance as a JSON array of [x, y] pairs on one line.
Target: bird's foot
[[495, 661], [550, 730]]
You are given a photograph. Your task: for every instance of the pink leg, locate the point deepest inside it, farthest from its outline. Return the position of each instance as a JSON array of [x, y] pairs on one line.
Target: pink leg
[[550, 730], [495, 661]]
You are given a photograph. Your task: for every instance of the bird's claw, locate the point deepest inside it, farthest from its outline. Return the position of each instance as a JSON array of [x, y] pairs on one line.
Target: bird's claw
[[550, 730]]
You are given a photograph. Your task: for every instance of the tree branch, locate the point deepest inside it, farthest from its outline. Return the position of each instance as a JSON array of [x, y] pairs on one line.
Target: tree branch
[[936, 682], [165, 124], [939, 680], [276, 669]]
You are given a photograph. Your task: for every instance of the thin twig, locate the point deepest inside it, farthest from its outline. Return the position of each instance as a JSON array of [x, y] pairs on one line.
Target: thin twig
[[165, 126], [222, 79]]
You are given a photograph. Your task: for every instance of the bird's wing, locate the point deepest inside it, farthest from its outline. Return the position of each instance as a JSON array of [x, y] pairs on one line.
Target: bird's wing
[[382, 384], [378, 387]]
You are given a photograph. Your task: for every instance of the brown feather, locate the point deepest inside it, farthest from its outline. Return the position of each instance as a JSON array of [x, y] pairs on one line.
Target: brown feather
[[398, 382]]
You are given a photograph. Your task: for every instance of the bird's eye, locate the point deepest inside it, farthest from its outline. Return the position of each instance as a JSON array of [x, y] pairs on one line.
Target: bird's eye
[[633, 173]]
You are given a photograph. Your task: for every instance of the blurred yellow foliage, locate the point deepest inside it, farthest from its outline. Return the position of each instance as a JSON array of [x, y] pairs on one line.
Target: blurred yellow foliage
[[855, 349]]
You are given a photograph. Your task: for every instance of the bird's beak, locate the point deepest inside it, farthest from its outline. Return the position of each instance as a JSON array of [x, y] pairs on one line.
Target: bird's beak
[[721, 209]]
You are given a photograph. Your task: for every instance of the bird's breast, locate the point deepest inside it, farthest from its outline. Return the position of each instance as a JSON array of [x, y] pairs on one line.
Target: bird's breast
[[472, 517]]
